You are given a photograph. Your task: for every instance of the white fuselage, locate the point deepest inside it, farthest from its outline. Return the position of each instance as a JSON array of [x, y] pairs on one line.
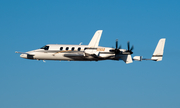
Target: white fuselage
[[71, 53]]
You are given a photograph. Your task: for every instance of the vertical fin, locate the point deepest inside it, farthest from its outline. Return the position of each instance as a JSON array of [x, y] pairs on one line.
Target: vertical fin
[[158, 52], [96, 38]]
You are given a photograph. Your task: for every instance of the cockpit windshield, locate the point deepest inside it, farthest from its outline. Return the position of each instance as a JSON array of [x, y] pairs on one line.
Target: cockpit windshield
[[45, 47]]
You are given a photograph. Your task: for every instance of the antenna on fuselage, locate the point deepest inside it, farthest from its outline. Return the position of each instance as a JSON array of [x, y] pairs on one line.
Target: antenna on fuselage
[[80, 43]]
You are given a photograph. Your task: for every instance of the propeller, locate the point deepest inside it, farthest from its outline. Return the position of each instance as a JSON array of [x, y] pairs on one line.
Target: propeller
[[129, 49], [117, 49]]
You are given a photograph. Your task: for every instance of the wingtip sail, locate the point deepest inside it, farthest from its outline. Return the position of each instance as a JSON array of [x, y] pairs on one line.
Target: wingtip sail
[[96, 38]]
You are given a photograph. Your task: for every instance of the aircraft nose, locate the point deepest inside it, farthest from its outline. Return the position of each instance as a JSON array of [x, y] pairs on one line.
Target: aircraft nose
[[23, 55]]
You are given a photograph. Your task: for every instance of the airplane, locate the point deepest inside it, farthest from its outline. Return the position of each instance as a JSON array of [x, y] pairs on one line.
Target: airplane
[[90, 52]]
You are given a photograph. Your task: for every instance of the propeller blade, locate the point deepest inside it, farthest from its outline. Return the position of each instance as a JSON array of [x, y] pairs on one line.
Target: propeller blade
[[120, 47], [132, 48], [128, 44], [116, 43]]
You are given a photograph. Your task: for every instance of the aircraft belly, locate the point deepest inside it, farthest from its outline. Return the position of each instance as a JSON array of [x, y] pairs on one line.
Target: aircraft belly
[[59, 56], [50, 56], [71, 57]]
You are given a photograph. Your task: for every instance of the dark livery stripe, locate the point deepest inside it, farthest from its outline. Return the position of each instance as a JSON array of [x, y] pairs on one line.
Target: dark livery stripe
[[91, 48], [157, 55], [106, 52]]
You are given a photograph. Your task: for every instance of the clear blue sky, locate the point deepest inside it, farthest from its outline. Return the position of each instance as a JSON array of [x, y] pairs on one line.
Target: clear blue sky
[[29, 24]]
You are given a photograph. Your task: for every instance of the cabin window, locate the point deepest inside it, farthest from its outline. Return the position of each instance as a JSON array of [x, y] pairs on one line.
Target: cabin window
[[67, 48], [61, 48], [45, 47], [72, 49], [79, 49]]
